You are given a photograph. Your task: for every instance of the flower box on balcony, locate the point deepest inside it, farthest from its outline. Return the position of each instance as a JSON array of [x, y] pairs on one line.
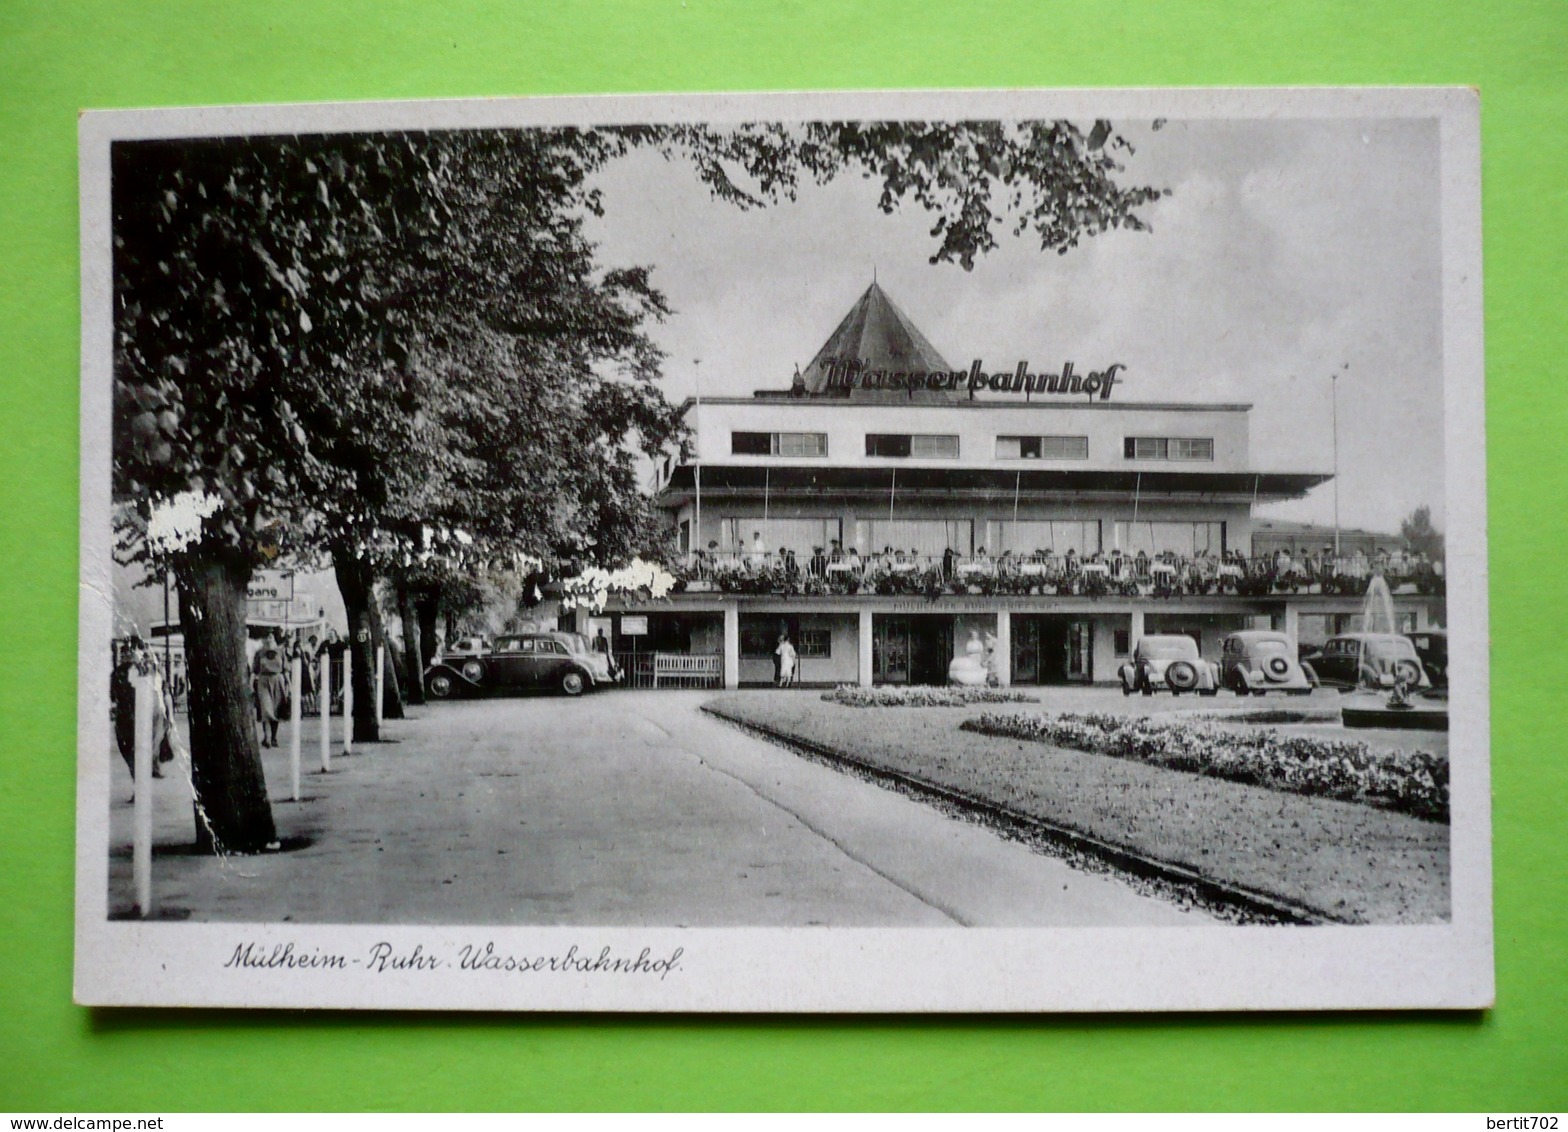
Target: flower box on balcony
[[700, 587]]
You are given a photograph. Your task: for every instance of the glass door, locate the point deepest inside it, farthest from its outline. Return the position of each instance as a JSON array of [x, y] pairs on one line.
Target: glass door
[[890, 651], [1026, 650], [1080, 651]]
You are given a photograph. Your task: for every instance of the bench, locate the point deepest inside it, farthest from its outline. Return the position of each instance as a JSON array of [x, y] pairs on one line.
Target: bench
[[703, 669]]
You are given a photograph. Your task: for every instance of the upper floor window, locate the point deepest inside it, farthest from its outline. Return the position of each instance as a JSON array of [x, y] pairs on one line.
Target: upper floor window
[[920, 446], [779, 443], [1169, 448], [1042, 448]]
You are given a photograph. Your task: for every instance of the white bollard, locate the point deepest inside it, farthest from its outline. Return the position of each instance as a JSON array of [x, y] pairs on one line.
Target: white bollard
[[381, 671], [141, 826], [324, 703], [295, 672], [348, 700]]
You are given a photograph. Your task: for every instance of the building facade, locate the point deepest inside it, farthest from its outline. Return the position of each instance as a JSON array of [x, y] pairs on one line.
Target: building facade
[[888, 509]]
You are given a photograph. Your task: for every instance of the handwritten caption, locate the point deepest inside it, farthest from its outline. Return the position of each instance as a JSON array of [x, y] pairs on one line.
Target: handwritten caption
[[384, 958]]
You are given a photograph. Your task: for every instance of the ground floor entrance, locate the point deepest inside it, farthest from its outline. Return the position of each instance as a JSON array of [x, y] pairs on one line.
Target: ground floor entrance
[[1052, 648], [912, 649]]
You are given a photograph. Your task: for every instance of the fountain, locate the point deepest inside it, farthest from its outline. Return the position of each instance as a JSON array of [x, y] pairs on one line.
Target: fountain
[[1401, 705]]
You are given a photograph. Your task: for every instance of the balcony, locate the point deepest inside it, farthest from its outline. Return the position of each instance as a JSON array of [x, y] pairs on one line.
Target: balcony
[[1163, 576]]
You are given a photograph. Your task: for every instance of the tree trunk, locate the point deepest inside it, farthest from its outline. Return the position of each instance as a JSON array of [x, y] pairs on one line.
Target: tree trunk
[[427, 605], [357, 583], [392, 685], [232, 811], [413, 670]]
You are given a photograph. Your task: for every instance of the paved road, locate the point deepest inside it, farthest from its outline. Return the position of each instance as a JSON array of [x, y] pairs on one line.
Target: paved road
[[624, 808]]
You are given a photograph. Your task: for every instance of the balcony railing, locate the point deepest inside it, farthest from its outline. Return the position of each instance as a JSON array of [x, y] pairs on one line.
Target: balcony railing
[[1116, 575]]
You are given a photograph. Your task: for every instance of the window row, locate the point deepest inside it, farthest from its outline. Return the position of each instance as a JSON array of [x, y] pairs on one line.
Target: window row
[[944, 446], [935, 537]]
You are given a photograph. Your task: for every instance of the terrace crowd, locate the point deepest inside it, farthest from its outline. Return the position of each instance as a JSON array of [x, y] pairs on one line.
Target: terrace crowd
[[835, 569]]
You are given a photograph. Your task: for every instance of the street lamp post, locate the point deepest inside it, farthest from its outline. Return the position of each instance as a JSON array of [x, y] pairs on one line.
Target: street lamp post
[[696, 467], [1334, 398]]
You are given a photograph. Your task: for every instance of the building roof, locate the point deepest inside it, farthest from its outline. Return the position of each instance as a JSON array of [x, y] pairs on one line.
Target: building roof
[[880, 481], [879, 336]]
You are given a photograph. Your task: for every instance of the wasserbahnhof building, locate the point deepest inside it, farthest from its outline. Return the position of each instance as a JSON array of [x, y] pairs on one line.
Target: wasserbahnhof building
[[888, 507]]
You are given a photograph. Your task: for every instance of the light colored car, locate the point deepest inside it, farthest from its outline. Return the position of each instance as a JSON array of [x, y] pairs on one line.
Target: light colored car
[[1255, 662], [1171, 663]]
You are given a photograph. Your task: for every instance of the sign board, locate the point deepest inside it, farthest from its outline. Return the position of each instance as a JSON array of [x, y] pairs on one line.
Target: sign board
[[634, 626], [271, 585]]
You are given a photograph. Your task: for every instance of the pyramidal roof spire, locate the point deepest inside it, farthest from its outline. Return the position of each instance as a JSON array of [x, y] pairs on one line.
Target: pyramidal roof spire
[[878, 336]]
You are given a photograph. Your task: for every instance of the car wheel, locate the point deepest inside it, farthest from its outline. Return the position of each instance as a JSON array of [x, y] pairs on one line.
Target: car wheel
[[1181, 676], [572, 683], [1126, 691], [440, 686]]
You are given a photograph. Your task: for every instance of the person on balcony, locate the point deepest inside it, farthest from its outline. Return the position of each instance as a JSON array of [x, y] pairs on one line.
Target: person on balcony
[[788, 564], [819, 563], [852, 560], [949, 564], [757, 556]]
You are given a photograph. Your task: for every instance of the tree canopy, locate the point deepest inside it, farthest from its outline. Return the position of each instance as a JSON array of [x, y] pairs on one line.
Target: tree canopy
[[341, 343]]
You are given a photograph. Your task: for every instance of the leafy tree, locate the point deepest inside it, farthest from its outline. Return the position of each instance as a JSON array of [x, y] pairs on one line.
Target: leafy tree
[[1419, 535], [342, 341]]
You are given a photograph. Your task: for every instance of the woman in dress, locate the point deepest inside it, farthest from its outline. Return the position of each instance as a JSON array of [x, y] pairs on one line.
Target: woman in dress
[[786, 658], [272, 686]]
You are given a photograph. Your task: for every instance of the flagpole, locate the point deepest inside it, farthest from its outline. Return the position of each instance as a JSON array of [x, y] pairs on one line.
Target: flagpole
[[696, 463]]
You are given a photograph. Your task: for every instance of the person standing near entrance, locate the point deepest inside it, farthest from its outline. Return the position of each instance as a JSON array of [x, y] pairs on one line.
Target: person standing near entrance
[[786, 661], [601, 644]]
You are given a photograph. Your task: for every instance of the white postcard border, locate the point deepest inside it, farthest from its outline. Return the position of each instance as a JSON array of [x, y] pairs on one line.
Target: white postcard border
[[126, 963]]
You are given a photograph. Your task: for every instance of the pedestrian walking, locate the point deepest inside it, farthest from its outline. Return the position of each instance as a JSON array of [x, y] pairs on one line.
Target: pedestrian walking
[[272, 687], [122, 693]]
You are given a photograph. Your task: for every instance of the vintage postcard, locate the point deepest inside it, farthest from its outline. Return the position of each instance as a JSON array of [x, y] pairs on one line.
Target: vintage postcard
[[987, 551]]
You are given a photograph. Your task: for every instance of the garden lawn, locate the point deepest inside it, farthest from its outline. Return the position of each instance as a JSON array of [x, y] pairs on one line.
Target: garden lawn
[[1347, 862]]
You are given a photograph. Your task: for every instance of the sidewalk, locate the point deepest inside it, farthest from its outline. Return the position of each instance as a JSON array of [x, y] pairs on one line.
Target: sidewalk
[[626, 808]]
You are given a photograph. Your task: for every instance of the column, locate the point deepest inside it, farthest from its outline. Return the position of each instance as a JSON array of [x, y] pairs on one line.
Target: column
[[1134, 630], [1002, 658], [864, 654], [732, 645], [1292, 627]]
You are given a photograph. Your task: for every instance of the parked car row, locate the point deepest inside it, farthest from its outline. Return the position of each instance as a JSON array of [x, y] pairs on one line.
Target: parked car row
[[1256, 662]]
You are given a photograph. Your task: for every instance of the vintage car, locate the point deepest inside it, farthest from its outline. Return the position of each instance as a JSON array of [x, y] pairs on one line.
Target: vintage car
[[1432, 648], [1170, 662], [519, 663], [1258, 661], [1369, 660], [466, 646]]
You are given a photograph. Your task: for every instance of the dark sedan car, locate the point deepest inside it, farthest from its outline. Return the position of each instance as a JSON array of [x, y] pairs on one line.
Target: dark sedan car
[[1369, 660], [1432, 648], [520, 663]]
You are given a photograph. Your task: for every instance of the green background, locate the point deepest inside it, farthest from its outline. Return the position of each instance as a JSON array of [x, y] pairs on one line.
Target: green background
[[57, 58]]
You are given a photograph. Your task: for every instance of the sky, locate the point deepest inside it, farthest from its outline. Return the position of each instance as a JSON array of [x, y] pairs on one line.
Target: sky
[[1286, 252]]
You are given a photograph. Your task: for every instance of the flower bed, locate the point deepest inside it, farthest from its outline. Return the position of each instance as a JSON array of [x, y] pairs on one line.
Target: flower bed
[[1413, 782], [923, 695]]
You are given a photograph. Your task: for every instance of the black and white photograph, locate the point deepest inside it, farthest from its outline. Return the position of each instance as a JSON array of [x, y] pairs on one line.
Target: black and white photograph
[[989, 551]]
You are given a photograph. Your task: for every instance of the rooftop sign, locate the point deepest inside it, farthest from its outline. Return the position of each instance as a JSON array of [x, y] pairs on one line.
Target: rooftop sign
[[851, 373]]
